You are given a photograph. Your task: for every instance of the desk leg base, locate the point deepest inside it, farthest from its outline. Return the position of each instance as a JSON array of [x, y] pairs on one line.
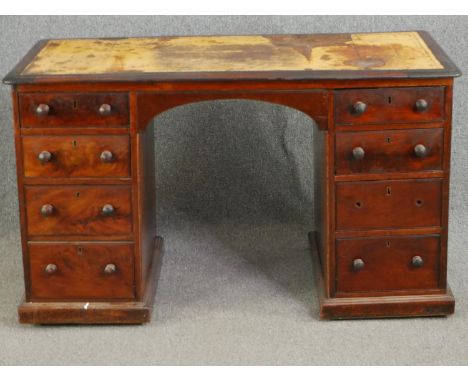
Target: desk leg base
[[97, 312], [377, 307]]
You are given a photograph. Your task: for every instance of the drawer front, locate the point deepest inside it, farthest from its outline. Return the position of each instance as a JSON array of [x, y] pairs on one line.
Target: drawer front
[[388, 204], [387, 263], [387, 105], [81, 271], [78, 210], [75, 110], [389, 151], [76, 156]]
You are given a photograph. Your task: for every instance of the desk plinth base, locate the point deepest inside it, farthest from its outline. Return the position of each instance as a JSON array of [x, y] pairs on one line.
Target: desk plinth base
[[377, 307], [122, 312]]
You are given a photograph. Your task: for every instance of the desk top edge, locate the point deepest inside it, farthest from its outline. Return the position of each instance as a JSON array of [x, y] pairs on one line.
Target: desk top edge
[[447, 67]]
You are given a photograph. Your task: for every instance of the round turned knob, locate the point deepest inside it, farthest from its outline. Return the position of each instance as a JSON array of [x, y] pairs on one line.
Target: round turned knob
[[110, 269], [358, 153], [421, 105], [106, 156], [47, 210], [44, 156], [107, 210], [359, 108], [420, 150], [417, 261], [105, 109], [358, 264], [50, 268], [42, 109]]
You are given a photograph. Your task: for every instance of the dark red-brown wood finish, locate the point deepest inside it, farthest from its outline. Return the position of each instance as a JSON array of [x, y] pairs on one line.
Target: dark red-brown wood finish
[[86, 186]]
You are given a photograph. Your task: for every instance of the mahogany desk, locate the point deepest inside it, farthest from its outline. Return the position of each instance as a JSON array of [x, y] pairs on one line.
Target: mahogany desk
[[382, 103]]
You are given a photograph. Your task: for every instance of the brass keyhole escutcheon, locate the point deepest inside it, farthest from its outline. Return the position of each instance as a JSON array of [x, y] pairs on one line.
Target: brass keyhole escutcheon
[[389, 140], [388, 191]]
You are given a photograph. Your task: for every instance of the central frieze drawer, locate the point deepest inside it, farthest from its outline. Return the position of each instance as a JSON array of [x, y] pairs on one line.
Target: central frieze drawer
[[389, 105], [76, 156], [74, 109], [78, 210], [387, 263], [389, 151], [81, 271], [388, 204]]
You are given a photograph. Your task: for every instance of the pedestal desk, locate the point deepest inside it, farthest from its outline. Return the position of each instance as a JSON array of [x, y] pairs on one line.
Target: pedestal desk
[[382, 106]]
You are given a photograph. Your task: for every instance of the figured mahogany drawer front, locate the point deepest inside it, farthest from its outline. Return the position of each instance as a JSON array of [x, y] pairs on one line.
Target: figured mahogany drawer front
[[75, 110], [389, 151], [78, 210], [387, 105], [388, 204], [76, 156], [81, 271], [387, 263]]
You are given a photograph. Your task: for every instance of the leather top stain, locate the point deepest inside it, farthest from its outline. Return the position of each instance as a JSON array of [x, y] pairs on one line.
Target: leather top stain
[[367, 51]]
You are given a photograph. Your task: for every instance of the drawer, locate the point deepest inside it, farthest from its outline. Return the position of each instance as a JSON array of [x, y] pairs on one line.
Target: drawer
[[388, 204], [389, 151], [73, 109], [387, 263], [76, 156], [78, 210], [81, 270], [389, 105]]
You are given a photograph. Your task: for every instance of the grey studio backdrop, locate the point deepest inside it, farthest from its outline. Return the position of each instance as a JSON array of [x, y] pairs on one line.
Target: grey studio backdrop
[[235, 195]]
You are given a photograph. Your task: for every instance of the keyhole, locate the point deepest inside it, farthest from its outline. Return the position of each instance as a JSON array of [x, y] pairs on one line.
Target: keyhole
[[389, 190], [75, 105], [77, 194], [74, 143], [389, 100], [419, 202], [80, 250], [389, 140], [358, 204], [387, 243]]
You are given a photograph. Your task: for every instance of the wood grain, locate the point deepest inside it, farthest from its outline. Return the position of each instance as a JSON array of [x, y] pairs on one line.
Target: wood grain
[[388, 204], [387, 262], [80, 271], [395, 105], [77, 210], [388, 151], [76, 156], [73, 109]]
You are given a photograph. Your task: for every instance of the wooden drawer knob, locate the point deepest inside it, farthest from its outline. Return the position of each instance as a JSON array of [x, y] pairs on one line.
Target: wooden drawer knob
[[421, 105], [420, 151], [358, 108], [358, 153], [358, 264], [44, 156], [107, 210], [110, 269], [50, 268], [42, 109], [105, 109], [47, 210], [106, 156], [417, 262]]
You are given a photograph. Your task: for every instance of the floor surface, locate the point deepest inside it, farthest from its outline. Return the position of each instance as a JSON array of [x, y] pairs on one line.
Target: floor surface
[[234, 294]]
